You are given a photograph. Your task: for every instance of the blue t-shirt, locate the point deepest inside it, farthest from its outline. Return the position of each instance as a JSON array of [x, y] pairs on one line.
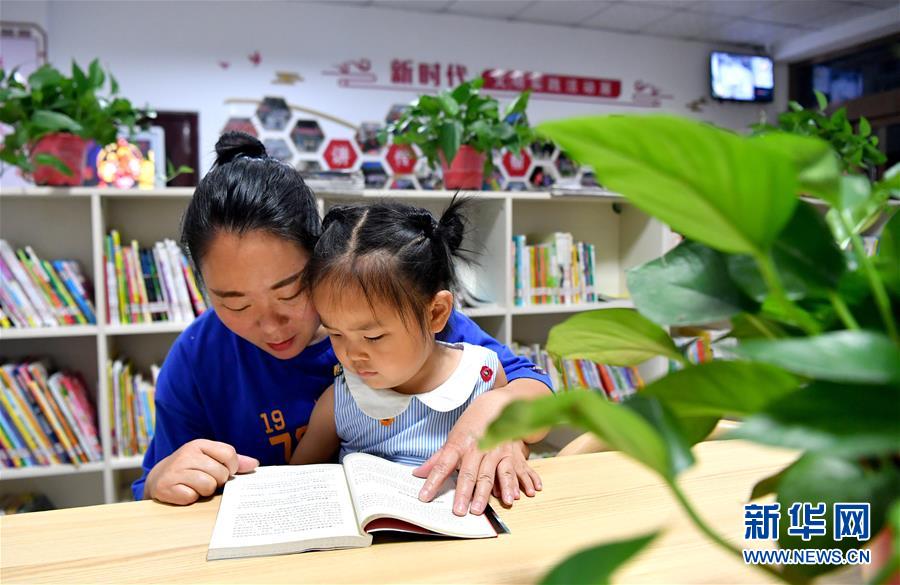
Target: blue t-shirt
[[216, 385]]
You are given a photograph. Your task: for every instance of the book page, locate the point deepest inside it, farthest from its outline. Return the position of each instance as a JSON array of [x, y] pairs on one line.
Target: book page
[[381, 489], [276, 507]]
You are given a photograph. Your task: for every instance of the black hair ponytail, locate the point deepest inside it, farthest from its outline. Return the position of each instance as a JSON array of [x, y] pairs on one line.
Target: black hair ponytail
[[234, 144], [393, 252], [247, 190]]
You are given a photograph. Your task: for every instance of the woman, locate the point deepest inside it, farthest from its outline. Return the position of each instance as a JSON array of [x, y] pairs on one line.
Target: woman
[[238, 386]]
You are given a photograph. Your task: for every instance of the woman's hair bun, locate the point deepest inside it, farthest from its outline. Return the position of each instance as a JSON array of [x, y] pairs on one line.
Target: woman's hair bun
[[234, 144]]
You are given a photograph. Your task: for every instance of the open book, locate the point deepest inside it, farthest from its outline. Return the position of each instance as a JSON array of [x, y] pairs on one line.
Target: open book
[[293, 508]]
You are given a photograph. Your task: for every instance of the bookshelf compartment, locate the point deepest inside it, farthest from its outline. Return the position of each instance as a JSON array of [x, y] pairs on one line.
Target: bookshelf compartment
[[78, 487], [58, 353], [144, 218], [57, 228]]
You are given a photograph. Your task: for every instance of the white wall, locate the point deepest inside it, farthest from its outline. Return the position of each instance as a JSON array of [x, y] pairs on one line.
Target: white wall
[[167, 54]]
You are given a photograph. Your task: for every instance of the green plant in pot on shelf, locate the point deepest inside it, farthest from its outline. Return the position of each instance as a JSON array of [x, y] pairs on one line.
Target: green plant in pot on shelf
[[816, 357], [52, 117], [459, 129], [858, 151]]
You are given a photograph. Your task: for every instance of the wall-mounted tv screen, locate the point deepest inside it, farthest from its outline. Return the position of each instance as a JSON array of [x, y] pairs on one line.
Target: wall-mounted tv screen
[[742, 78]]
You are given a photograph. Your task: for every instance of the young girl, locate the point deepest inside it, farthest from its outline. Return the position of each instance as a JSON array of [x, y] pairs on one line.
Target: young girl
[[238, 385], [380, 279]]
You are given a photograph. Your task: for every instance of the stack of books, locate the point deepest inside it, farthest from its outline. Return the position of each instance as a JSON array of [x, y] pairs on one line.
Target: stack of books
[[557, 271], [149, 284], [45, 419], [40, 293], [695, 343], [615, 383], [132, 410]]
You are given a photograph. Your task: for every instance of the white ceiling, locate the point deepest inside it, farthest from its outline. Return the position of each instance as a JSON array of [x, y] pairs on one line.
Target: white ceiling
[[762, 23]]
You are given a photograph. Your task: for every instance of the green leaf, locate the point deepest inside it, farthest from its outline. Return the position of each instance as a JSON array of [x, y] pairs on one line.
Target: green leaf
[[96, 77], [806, 258], [864, 357], [859, 205], [669, 427], [621, 428], [746, 326], [518, 105], [722, 388], [49, 121], [711, 185], [53, 161], [688, 286], [448, 104], [817, 165], [45, 76], [767, 485], [619, 337], [864, 127], [450, 136], [819, 478], [838, 419], [821, 100], [596, 565], [887, 257]]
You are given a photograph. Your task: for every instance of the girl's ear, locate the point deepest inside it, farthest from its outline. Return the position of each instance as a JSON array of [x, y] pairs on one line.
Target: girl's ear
[[439, 311]]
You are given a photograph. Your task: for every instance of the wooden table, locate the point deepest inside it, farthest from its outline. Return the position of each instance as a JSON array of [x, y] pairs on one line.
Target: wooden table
[[587, 499]]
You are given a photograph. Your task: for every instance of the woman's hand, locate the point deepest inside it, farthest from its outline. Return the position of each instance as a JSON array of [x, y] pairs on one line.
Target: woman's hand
[[478, 471], [196, 469]]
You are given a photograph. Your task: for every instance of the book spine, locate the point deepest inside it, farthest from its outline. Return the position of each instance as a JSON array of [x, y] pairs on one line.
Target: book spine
[[77, 391], [121, 286], [113, 316], [26, 425], [14, 313], [72, 307], [134, 308], [48, 448], [13, 441], [196, 296], [76, 291], [24, 288], [165, 284], [52, 304], [178, 278], [54, 417], [68, 417], [82, 419]]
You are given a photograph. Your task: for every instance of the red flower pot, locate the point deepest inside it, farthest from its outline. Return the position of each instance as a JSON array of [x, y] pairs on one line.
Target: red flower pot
[[466, 171], [70, 149]]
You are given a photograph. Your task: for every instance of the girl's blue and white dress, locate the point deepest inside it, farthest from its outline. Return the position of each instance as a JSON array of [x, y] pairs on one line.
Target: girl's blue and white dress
[[408, 428]]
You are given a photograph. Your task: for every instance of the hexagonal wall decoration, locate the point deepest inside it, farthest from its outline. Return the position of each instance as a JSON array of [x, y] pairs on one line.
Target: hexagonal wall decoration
[[273, 113], [340, 155], [374, 174], [401, 159], [278, 148], [307, 135], [367, 137], [516, 165], [395, 112], [565, 166]]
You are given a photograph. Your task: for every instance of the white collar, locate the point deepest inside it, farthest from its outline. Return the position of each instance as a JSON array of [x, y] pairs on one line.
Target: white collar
[[382, 403]]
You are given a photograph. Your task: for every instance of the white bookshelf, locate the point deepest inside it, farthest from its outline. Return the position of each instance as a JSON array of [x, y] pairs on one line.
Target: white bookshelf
[[71, 223]]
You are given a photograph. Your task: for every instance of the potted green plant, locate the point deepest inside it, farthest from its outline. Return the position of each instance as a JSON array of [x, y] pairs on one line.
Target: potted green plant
[[816, 359], [858, 151], [459, 129], [52, 117]]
